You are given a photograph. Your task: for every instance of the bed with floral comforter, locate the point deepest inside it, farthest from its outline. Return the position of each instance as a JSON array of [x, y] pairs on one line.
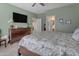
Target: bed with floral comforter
[[49, 43]]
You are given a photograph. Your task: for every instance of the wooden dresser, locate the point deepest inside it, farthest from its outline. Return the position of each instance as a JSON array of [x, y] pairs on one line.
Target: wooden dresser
[[17, 34]]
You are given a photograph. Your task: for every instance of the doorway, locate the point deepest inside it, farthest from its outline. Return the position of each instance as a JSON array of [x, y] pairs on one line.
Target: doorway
[[51, 23]]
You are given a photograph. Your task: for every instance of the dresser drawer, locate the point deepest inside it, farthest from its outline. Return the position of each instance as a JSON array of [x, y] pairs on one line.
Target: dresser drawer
[[17, 34]]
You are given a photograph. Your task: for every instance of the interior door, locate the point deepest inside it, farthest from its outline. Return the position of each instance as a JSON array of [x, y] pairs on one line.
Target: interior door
[[37, 25]]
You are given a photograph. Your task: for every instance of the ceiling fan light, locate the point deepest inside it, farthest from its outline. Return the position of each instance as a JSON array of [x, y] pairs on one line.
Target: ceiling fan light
[[33, 5], [42, 4]]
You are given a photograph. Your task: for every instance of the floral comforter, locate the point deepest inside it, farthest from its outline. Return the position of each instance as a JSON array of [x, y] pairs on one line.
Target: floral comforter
[[51, 44]]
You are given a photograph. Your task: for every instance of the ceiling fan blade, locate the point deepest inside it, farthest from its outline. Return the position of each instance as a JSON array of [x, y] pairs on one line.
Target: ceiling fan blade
[[42, 4], [33, 5]]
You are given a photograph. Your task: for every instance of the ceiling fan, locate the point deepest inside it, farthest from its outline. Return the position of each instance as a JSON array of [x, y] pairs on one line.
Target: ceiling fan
[[42, 4]]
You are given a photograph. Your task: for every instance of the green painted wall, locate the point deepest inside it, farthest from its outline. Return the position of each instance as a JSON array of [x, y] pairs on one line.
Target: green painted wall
[[6, 11], [66, 12]]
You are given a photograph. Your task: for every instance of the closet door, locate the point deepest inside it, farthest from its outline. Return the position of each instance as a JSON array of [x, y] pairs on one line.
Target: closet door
[[48, 24]]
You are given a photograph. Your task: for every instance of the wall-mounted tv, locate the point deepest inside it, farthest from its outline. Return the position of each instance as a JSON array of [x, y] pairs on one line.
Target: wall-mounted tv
[[19, 18]]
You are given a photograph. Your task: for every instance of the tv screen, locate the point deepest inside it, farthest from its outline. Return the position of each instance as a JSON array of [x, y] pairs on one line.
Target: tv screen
[[20, 18]]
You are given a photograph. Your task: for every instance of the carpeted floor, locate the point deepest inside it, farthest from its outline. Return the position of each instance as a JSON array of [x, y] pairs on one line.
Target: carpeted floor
[[10, 50]]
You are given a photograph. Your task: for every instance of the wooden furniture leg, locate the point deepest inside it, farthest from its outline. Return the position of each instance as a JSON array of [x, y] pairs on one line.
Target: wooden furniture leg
[[3, 40], [5, 43], [0, 44]]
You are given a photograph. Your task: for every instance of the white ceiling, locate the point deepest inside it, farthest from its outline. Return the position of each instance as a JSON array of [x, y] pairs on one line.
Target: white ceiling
[[38, 8]]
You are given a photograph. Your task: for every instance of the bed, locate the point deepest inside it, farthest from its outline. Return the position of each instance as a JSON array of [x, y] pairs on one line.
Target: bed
[[48, 43]]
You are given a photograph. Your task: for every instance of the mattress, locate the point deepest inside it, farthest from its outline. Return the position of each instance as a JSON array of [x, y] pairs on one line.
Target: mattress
[[51, 44]]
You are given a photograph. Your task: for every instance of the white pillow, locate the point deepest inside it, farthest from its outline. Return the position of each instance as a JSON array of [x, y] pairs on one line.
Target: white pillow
[[76, 34]]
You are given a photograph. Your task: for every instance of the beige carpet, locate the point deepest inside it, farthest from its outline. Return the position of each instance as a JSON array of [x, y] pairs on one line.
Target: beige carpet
[[10, 50]]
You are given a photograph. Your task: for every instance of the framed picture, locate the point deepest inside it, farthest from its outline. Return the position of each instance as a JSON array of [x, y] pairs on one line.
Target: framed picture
[[61, 20], [68, 21]]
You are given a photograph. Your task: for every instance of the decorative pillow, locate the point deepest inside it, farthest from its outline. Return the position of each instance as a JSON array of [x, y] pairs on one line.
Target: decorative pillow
[[76, 34]]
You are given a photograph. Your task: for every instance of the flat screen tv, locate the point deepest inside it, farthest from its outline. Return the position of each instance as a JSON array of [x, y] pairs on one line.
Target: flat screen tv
[[19, 18]]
